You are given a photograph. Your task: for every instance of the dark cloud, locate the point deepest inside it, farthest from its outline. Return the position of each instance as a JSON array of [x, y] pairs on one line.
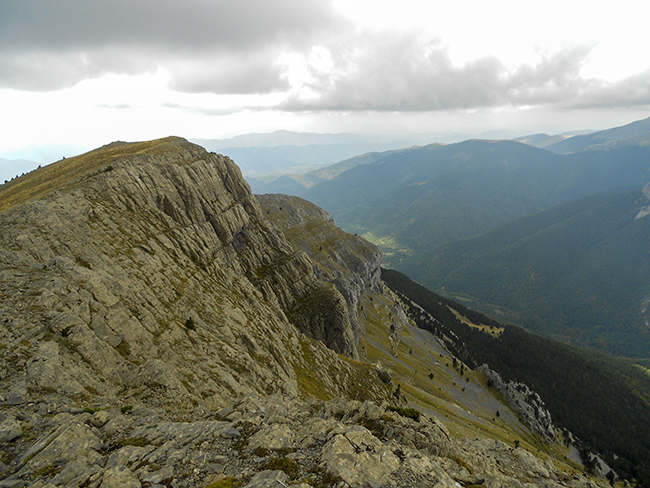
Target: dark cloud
[[190, 24], [236, 47], [256, 73], [47, 45]]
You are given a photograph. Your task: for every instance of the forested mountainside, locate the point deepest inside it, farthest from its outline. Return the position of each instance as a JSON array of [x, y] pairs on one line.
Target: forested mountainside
[[603, 400], [161, 327], [456, 216], [578, 272], [428, 196]]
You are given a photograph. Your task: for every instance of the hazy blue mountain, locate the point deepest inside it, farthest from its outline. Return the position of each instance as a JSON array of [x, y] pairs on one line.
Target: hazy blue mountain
[[540, 140], [290, 138], [283, 184], [544, 140], [25, 159], [44, 154], [10, 168], [578, 272], [298, 183], [264, 161], [634, 134], [329, 172], [425, 196], [286, 152]]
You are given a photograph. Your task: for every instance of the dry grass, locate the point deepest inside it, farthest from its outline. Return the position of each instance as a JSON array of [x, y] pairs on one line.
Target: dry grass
[[488, 329], [42, 181]]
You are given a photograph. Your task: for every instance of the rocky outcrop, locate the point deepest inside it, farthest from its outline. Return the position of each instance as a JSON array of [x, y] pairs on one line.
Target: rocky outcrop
[[524, 401], [350, 263], [258, 440], [157, 277]]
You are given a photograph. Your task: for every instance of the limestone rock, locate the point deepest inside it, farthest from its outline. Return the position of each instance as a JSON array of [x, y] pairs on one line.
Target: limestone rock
[[119, 477], [525, 401], [274, 436], [157, 328], [268, 479], [350, 263], [358, 457], [9, 428], [322, 442], [161, 276]]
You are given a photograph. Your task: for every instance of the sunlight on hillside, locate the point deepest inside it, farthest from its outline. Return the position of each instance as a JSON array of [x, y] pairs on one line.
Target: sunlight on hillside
[[488, 329], [388, 245]]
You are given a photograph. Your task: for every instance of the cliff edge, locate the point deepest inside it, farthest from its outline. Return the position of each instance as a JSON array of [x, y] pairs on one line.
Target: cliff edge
[[162, 327]]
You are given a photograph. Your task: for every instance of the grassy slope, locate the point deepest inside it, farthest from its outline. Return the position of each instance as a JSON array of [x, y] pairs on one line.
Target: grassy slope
[[49, 178], [603, 400]]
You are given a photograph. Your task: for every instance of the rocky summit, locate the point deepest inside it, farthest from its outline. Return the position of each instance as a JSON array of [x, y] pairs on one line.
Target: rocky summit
[[162, 326]]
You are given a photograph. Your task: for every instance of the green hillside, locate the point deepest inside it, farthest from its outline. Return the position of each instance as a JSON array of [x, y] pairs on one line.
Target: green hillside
[[603, 400], [577, 272]]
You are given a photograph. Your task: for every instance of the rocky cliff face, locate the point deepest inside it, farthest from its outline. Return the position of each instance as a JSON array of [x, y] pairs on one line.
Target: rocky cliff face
[[157, 329], [350, 263], [160, 272], [525, 402]]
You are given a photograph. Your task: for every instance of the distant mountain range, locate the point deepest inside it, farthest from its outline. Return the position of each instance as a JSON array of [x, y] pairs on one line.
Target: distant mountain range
[[279, 181], [10, 168], [634, 134], [14, 163], [576, 271], [283, 152], [290, 138], [423, 197]]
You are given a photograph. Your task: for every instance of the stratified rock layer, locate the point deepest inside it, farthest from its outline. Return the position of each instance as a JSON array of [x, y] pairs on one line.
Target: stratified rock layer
[[160, 273], [261, 439], [156, 329]]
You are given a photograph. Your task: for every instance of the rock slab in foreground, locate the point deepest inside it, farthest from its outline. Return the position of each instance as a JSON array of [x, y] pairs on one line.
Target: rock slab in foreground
[[263, 441]]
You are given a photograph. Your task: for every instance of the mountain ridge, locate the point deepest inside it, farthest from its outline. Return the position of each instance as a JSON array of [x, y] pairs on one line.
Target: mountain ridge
[[157, 327], [473, 186], [633, 134]]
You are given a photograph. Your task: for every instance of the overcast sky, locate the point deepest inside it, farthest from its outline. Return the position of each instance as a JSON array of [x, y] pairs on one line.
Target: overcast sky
[[91, 72]]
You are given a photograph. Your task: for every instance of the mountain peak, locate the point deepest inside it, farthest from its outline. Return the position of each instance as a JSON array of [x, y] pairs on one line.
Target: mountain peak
[[46, 179], [158, 328]]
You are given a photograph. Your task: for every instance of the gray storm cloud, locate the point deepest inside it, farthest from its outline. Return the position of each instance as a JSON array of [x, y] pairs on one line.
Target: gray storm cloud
[[228, 47], [406, 73], [47, 45], [175, 25]]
